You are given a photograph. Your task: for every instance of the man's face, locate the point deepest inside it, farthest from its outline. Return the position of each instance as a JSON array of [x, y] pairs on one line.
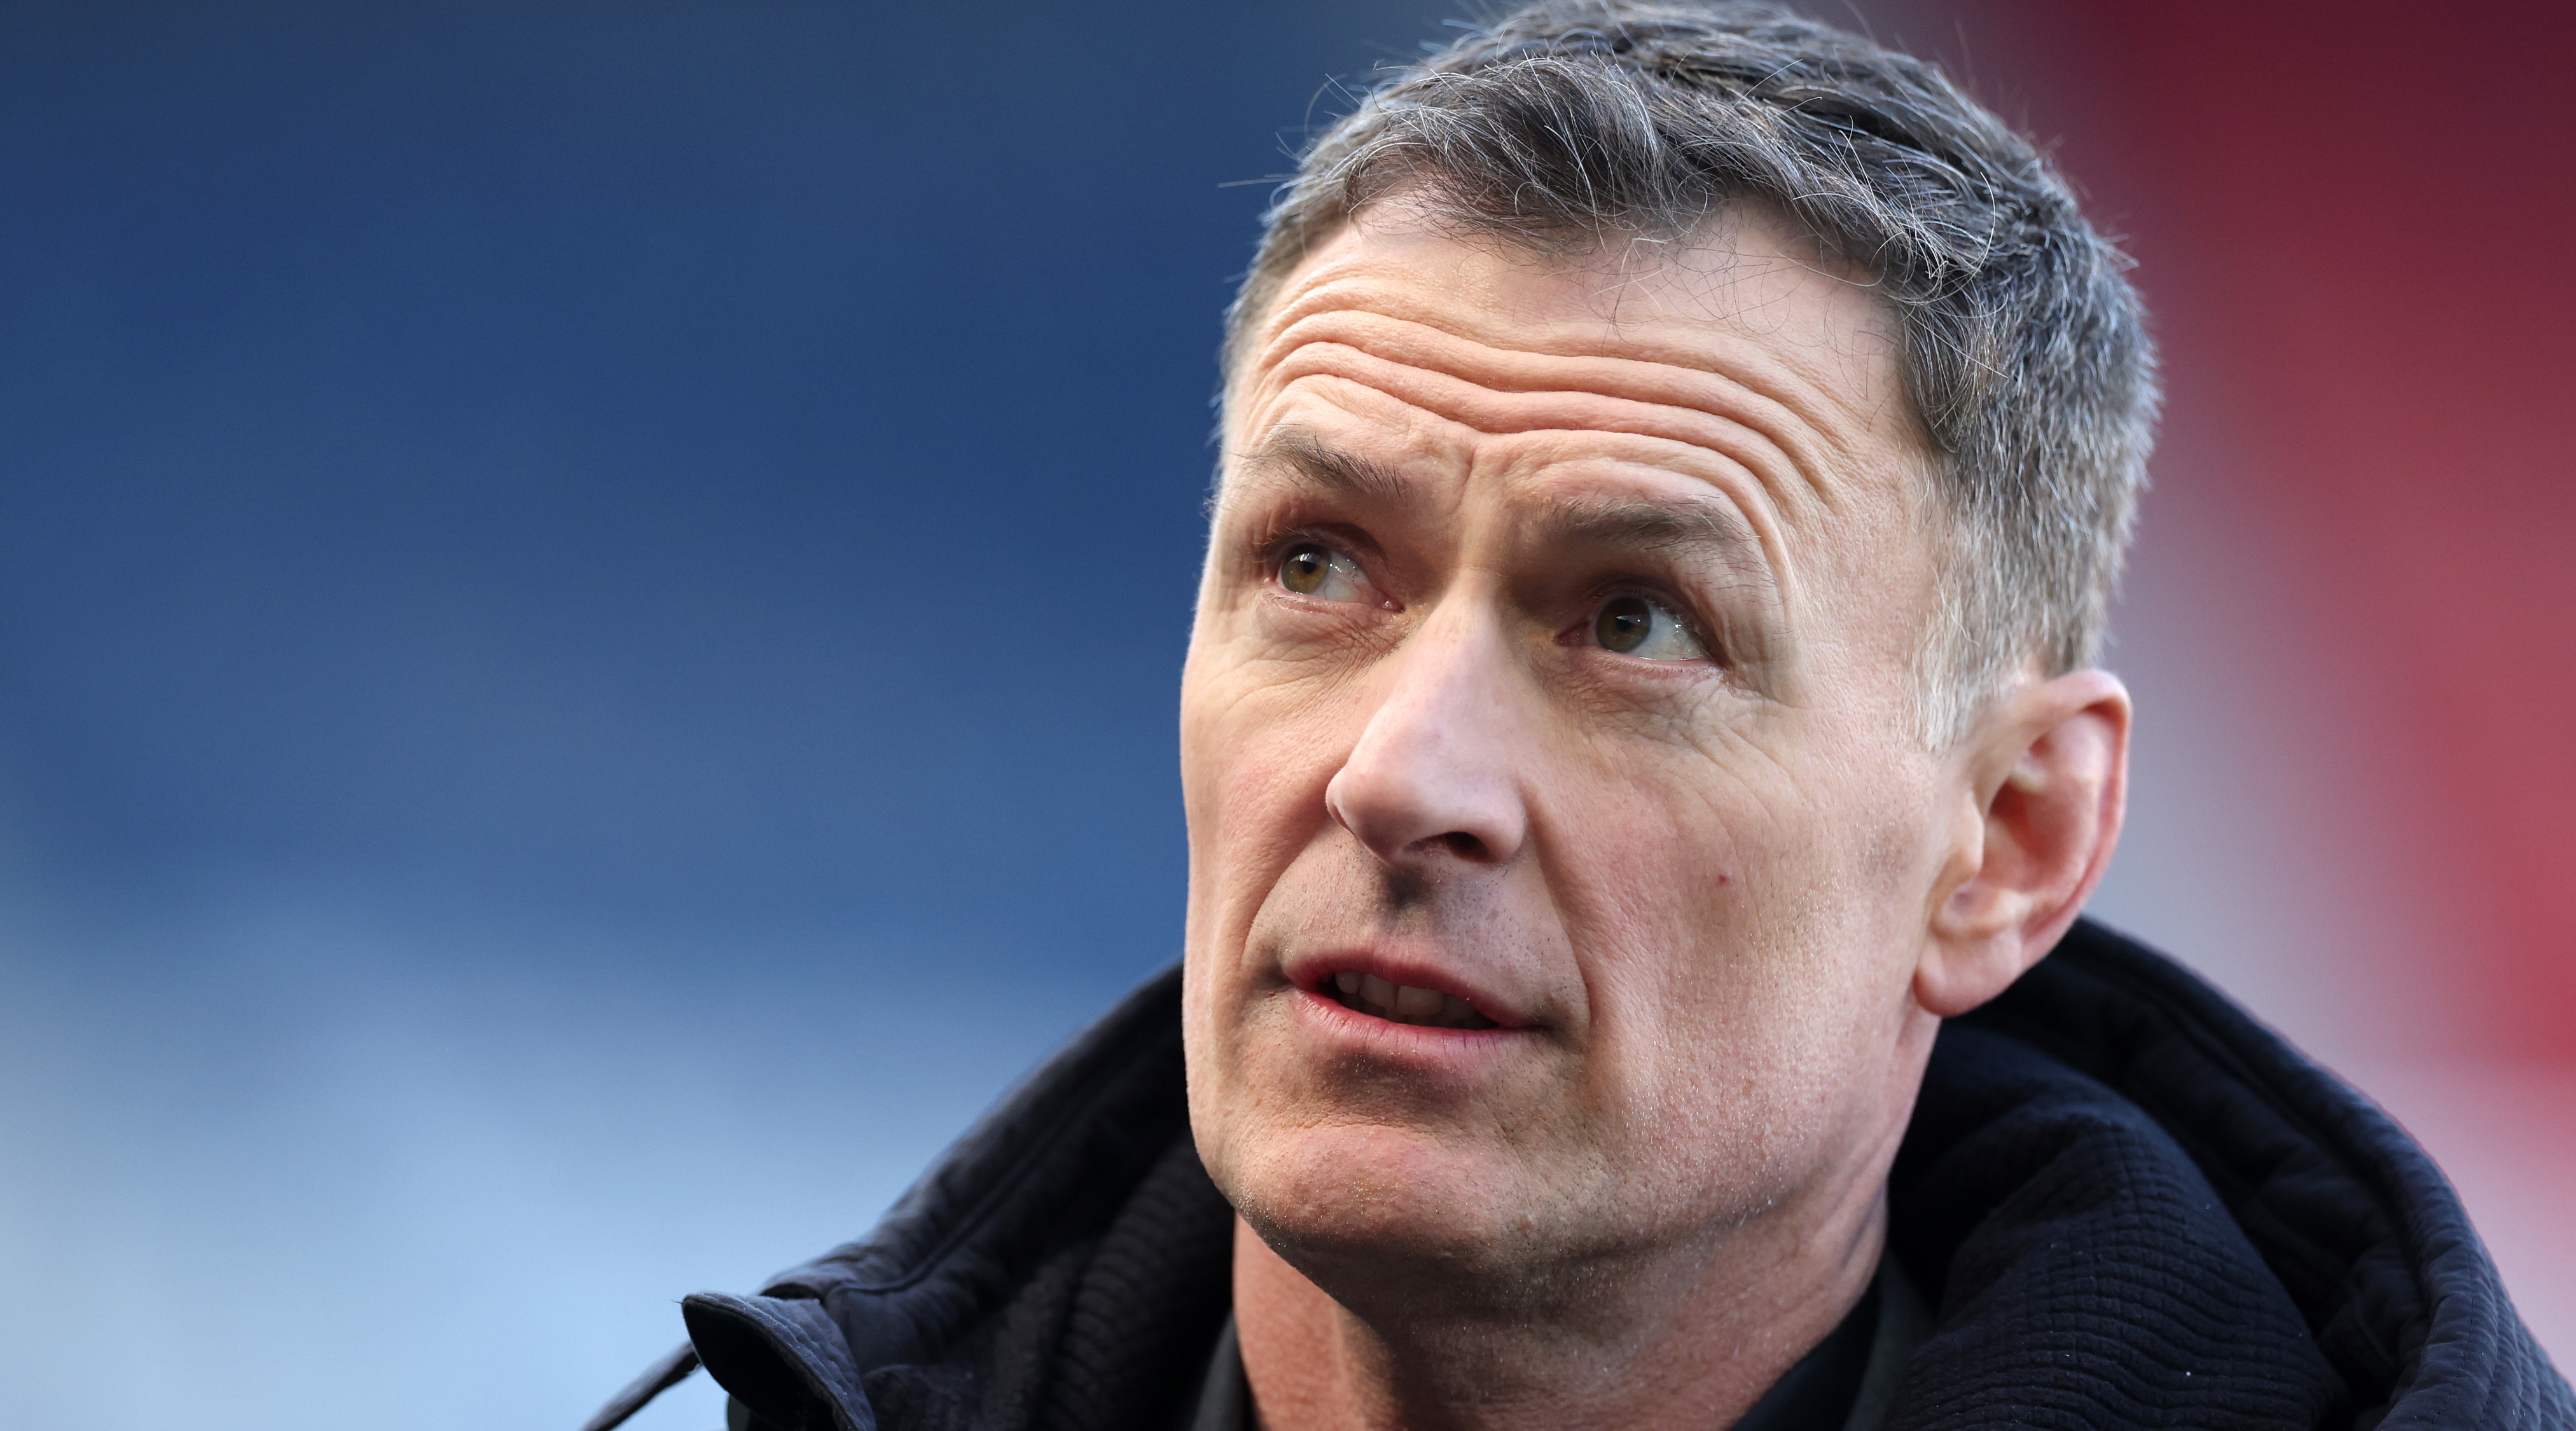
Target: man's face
[[1560, 841]]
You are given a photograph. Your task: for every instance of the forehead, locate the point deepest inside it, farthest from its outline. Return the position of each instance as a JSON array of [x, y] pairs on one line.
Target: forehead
[[1746, 323]]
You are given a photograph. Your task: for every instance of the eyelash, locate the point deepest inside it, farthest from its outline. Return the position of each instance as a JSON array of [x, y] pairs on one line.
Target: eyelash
[[1273, 545]]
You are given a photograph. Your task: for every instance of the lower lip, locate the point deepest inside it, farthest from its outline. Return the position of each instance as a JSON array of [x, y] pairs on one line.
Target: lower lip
[[1424, 1047]]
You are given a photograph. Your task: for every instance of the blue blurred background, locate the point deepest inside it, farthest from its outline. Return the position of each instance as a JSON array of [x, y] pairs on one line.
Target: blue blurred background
[[590, 598], [589, 605]]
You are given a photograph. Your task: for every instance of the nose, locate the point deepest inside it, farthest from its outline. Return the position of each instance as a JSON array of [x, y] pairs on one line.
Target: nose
[[1435, 771]]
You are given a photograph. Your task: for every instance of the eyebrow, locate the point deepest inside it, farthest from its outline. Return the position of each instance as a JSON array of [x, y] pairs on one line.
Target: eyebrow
[[1302, 458], [1688, 526], [1705, 527]]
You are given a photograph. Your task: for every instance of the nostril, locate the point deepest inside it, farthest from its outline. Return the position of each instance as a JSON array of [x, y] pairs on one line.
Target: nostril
[[1465, 846]]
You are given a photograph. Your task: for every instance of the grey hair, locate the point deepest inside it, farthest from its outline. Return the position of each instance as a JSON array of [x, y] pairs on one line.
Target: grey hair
[[2025, 348]]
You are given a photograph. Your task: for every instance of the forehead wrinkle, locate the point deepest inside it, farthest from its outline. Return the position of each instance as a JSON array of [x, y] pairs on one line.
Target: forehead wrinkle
[[1733, 410], [1523, 360], [1347, 284], [1484, 412], [1503, 337]]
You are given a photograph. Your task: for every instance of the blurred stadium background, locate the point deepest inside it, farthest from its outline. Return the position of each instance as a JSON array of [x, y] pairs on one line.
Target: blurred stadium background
[[590, 595]]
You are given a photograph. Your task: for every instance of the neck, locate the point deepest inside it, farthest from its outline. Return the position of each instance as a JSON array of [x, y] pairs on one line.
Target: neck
[[1688, 1337]]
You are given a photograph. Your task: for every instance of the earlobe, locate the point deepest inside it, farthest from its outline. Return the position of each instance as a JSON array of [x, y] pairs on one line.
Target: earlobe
[[2043, 786]]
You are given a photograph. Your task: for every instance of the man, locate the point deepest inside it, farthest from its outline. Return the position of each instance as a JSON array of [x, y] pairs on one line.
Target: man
[[1640, 739]]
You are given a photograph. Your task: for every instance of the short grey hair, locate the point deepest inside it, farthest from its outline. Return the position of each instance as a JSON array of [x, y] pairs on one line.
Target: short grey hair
[[2025, 348]]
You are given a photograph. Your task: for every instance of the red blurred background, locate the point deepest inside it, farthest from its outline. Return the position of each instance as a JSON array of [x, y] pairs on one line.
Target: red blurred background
[[2351, 624]]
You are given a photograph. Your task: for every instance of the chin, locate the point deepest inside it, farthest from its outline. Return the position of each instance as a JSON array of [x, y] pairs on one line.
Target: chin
[[1324, 1195]]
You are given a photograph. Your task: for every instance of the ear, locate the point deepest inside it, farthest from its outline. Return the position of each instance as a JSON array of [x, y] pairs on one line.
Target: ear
[[2044, 780]]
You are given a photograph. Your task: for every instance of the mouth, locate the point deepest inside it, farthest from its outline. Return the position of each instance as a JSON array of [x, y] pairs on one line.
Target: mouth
[[1401, 1003]]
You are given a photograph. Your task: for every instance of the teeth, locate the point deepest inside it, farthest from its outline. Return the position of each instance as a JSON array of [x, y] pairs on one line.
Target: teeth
[[1405, 1004]]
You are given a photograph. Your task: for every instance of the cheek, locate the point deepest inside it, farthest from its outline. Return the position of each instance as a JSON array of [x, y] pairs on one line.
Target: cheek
[[1256, 758], [1740, 961]]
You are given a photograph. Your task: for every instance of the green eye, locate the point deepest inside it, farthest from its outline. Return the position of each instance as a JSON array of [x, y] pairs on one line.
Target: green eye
[[1634, 626], [1313, 569], [1624, 624], [1305, 569]]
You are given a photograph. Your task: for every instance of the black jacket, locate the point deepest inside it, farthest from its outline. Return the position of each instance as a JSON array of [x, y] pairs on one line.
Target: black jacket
[[2129, 1204]]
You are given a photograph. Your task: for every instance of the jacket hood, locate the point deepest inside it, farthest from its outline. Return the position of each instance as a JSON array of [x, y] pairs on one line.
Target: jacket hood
[[2114, 1164], [2129, 1203]]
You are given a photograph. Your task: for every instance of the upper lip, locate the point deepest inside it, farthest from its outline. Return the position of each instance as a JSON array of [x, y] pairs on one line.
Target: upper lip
[[1314, 972]]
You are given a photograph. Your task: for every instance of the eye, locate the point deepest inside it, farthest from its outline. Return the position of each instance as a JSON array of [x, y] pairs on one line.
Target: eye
[[1313, 569], [1634, 626]]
